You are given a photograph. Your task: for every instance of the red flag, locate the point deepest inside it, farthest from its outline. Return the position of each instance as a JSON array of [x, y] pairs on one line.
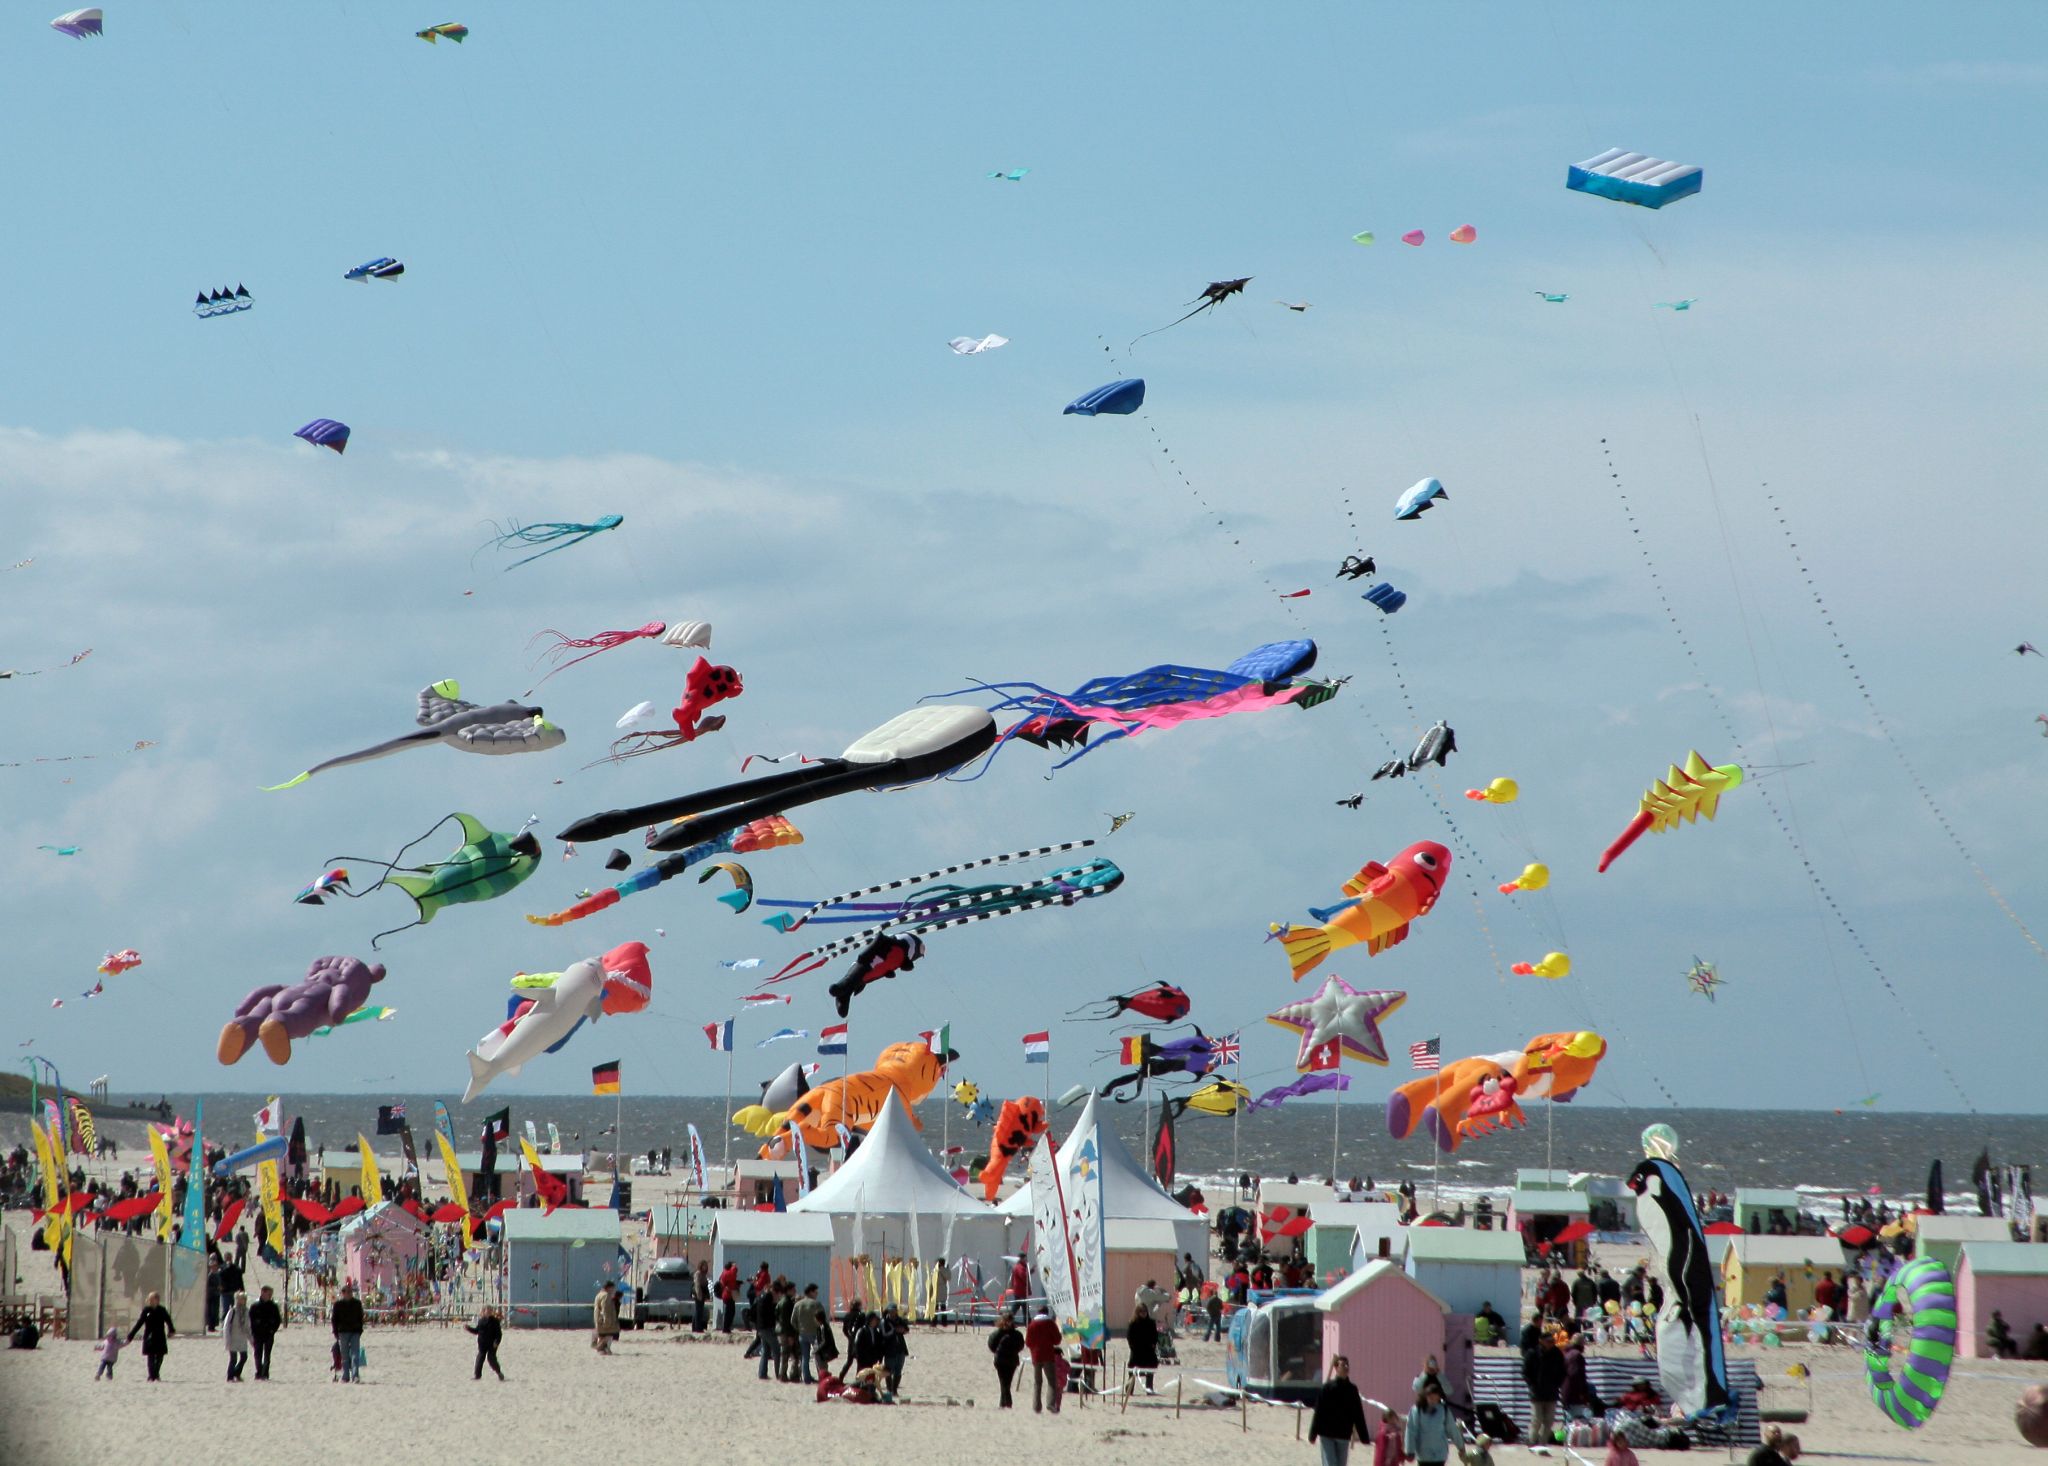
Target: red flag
[[312, 1211], [1321, 1058], [229, 1217]]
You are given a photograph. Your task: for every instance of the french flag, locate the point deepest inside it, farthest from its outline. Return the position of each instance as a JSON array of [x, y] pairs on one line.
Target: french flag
[[720, 1035], [1038, 1047], [832, 1040]]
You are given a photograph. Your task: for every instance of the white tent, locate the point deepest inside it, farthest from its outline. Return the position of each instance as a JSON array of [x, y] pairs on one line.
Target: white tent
[[894, 1202], [1128, 1194]]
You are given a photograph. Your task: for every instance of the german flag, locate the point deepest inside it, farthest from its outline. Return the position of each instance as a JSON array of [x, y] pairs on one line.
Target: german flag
[[604, 1079]]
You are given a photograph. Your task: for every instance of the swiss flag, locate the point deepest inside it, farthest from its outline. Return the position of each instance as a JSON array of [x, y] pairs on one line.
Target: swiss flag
[[1322, 1057]]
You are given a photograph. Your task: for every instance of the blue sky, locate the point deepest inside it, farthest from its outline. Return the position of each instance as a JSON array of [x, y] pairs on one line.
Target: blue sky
[[698, 268]]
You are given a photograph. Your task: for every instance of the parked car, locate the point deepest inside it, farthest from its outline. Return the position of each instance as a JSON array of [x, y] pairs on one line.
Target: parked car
[[668, 1295]]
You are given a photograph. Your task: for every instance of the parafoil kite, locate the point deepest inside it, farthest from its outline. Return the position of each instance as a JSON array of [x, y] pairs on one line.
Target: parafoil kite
[[333, 883], [1342, 1014], [274, 1014], [1018, 1127], [619, 860], [548, 534], [1213, 294], [325, 432], [764, 834], [911, 748], [486, 864], [1634, 178], [1363, 236], [1161, 1003], [1703, 978], [223, 302], [505, 727], [1534, 877], [883, 956], [1551, 964], [449, 29], [1220, 1097], [382, 268], [704, 687], [116, 963], [1386, 598], [976, 345], [1157, 697], [1681, 796], [741, 896], [1417, 500], [78, 24], [1436, 744], [1385, 899], [1552, 1066], [1154, 1058], [1116, 399], [1497, 791], [1308, 1084]]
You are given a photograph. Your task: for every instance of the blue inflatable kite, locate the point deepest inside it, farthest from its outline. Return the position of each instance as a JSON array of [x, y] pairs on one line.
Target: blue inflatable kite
[[1387, 598], [1121, 398], [1634, 178]]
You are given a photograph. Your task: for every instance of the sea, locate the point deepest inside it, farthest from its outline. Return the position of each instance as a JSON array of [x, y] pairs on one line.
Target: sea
[[1828, 1154]]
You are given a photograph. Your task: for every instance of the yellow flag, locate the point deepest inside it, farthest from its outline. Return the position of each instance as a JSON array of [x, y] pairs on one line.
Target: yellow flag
[[54, 1183], [273, 1199], [162, 1155], [457, 1191], [373, 1185]]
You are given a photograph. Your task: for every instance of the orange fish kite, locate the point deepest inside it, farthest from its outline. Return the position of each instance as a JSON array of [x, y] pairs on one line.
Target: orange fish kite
[[1384, 900]]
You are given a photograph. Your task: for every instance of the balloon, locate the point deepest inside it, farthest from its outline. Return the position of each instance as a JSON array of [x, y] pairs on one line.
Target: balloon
[[2031, 1415], [1660, 1142]]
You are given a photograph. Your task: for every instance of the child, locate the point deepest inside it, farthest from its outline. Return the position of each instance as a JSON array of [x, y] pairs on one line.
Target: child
[[1386, 1446], [110, 1350]]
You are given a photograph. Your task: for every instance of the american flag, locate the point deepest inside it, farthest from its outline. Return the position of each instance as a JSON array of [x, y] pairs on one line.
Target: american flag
[[1226, 1048], [1427, 1055]]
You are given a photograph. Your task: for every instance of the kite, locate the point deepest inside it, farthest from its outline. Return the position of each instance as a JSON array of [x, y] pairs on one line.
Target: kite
[[741, 896], [850, 900], [68, 758], [1384, 901], [1342, 1014], [1018, 1127], [452, 30], [1552, 965], [1364, 236], [1464, 234], [334, 883], [1119, 399], [775, 758], [1419, 498], [1414, 237], [1357, 567], [742, 962], [1308, 1084], [1353, 801], [976, 345], [1295, 595], [911, 748], [547, 534], [1213, 295], [1497, 791], [1160, 1003], [765, 1000], [1552, 1066], [325, 432], [1682, 795], [485, 865], [274, 1014], [1118, 821], [1220, 1097], [762, 834], [1155, 1058], [1014, 175], [639, 712], [223, 303], [618, 860], [94, 991], [382, 268], [1557, 299], [2026, 646], [885, 956], [20, 564], [1157, 697], [506, 727], [1296, 306], [967, 1093], [78, 24], [361, 1015], [1703, 978], [704, 686], [1634, 178], [1920, 1298], [116, 963], [1435, 745], [76, 658], [1676, 305], [1388, 599], [61, 849], [628, 981], [1534, 877], [556, 1011], [856, 1101]]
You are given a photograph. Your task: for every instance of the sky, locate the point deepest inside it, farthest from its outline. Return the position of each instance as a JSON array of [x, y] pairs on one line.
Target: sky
[[698, 266]]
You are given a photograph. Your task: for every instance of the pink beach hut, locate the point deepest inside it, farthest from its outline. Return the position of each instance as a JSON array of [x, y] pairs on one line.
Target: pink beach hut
[[1387, 1324], [382, 1248], [2011, 1277]]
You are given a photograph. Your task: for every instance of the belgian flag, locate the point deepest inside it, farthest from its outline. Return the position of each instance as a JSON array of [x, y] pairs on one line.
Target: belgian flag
[[604, 1078]]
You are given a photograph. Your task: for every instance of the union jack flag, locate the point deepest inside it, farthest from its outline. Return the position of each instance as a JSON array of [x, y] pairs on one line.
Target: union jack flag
[[1225, 1048]]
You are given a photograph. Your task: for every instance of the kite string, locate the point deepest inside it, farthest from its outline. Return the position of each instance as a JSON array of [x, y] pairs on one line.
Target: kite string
[[1883, 726]]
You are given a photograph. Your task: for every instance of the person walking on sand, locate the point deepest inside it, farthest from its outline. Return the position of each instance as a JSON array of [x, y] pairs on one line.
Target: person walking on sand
[[1008, 1346], [761, 1314], [1432, 1431], [700, 1293], [604, 1317], [1389, 1449], [1339, 1415], [895, 1348], [110, 1350], [728, 1296], [808, 1314], [155, 1326], [235, 1332], [1042, 1338], [1141, 1339], [265, 1319], [488, 1333], [785, 1330], [346, 1320]]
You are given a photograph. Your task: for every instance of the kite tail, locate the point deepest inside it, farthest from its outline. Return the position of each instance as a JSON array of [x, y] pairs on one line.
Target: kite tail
[[1626, 838], [288, 783], [1170, 324], [422, 921], [1306, 946]]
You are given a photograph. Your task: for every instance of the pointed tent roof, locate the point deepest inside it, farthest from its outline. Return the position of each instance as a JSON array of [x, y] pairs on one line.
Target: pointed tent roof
[[1127, 1189], [892, 1173]]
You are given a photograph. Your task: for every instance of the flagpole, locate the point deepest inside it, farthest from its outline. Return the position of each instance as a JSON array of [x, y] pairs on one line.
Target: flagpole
[[945, 1108], [618, 1133], [1236, 1114], [1336, 1119], [726, 1164], [1436, 1198]]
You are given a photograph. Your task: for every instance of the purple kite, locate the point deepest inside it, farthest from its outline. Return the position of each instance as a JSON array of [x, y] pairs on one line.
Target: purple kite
[[1272, 1099], [273, 1015], [325, 432]]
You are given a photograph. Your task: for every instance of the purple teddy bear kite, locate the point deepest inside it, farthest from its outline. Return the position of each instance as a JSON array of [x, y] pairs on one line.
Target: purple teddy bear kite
[[334, 988]]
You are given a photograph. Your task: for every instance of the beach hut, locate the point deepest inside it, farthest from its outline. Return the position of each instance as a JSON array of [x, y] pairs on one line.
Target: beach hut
[[794, 1245], [893, 1203], [1943, 1238], [753, 1181], [1135, 1251], [1538, 1179], [383, 1250], [681, 1231], [1275, 1346], [345, 1169], [1750, 1264], [1129, 1194], [512, 1180], [2011, 1277], [1344, 1236], [555, 1263], [1759, 1211], [1301, 1195], [1385, 1323], [1467, 1269], [1539, 1215]]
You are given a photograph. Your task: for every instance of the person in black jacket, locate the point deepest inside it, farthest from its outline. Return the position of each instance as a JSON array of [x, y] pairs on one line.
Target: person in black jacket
[[346, 1319], [1007, 1344], [761, 1313], [1545, 1375], [155, 1326], [864, 1342], [1141, 1338], [488, 1332], [1339, 1415], [265, 1319], [895, 1335]]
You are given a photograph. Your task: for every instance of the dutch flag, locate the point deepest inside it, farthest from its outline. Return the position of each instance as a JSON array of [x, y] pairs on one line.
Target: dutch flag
[[1038, 1047], [832, 1040]]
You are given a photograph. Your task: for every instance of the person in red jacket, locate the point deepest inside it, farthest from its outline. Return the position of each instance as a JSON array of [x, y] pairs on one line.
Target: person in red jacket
[[1042, 1338], [728, 1296]]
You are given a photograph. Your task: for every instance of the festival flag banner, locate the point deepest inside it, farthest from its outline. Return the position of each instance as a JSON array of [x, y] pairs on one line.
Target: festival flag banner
[[270, 1119], [604, 1078], [192, 1229], [458, 1190], [832, 1040], [161, 1155], [373, 1184], [1038, 1047], [720, 1035]]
